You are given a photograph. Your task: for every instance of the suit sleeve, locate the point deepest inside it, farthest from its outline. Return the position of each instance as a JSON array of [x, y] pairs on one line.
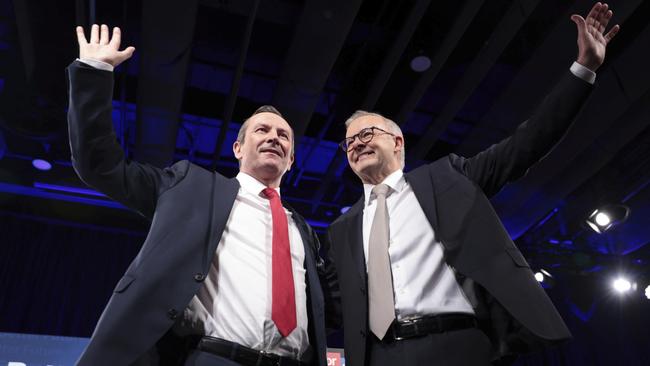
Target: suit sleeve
[[331, 291], [511, 158], [97, 157]]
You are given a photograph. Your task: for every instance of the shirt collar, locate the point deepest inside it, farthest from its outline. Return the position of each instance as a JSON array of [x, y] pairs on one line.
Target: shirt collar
[[252, 185], [394, 180]]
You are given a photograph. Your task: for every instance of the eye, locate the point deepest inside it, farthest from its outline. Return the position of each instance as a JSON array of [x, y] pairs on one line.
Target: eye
[[365, 134], [261, 129]]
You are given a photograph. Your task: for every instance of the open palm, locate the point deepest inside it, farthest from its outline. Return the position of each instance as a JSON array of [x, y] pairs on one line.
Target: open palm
[[101, 46], [592, 42]]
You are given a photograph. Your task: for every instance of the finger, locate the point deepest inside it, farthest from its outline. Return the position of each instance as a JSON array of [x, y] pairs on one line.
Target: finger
[[580, 23], [593, 13], [604, 23], [590, 21], [94, 34], [103, 37], [602, 15], [127, 53], [117, 38], [81, 37], [612, 32]]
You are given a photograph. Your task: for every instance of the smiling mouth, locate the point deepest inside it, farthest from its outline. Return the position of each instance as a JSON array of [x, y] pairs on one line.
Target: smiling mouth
[[362, 155], [274, 152]]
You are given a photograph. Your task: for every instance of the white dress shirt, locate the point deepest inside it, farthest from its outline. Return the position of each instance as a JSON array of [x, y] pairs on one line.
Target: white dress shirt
[[423, 283], [235, 300]]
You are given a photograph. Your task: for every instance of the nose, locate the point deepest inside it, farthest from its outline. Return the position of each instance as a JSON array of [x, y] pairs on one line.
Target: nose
[[273, 137], [356, 145]]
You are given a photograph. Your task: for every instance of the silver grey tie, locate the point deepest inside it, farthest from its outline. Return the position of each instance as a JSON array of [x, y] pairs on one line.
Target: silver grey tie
[[380, 282]]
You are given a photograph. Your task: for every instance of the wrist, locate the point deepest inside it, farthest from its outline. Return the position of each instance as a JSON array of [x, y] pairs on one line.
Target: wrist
[[589, 64]]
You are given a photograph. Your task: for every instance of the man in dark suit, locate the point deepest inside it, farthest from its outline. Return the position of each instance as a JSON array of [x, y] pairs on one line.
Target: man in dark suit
[[227, 275], [428, 274]]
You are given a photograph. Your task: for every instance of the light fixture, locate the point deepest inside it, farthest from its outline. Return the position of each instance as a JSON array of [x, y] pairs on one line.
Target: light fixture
[[544, 278], [647, 292], [607, 216], [622, 285], [420, 63], [41, 164]]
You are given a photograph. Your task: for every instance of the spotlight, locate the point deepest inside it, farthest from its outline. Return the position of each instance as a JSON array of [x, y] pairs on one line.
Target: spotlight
[[647, 292], [41, 164], [420, 63], [544, 278], [604, 218], [622, 285]]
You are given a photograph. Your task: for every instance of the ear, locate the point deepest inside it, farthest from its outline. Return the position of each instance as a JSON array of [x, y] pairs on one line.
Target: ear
[[291, 162], [236, 149], [399, 143]]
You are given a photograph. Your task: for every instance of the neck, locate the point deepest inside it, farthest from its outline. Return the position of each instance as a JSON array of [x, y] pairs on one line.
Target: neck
[[377, 177], [271, 181]]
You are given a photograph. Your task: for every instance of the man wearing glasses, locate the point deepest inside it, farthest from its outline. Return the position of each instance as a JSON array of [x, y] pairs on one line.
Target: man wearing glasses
[[428, 274]]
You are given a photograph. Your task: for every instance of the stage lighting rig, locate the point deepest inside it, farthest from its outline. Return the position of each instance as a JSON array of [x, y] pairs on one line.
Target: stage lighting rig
[[607, 216]]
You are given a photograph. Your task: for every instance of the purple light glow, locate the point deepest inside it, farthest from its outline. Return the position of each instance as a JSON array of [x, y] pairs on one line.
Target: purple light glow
[[41, 164]]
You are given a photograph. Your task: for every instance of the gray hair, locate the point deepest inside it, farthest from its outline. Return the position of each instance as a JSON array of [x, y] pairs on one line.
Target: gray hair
[[392, 127]]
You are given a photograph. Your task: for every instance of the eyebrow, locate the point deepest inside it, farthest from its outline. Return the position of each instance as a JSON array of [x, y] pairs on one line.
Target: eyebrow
[[365, 128], [267, 125]]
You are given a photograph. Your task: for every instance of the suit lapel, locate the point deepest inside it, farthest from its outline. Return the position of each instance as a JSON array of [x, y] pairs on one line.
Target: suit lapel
[[224, 193], [354, 226], [424, 191]]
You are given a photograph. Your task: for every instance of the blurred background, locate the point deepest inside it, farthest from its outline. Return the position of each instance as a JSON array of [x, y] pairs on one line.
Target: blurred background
[[457, 76]]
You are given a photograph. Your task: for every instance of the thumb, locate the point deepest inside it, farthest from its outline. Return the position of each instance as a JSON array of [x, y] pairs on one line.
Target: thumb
[[124, 55], [580, 22], [127, 53]]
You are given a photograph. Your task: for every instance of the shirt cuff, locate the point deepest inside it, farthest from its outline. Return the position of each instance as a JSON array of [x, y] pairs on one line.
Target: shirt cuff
[[100, 64], [583, 73]]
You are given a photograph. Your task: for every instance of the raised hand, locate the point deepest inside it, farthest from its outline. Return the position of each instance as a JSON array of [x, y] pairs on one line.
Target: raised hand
[[102, 47], [591, 40]]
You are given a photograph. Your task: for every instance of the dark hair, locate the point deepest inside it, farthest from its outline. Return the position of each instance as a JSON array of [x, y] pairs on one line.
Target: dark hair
[[263, 109]]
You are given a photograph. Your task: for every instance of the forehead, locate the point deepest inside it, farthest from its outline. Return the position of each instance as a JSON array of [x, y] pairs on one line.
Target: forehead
[[364, 122], [271, 119]]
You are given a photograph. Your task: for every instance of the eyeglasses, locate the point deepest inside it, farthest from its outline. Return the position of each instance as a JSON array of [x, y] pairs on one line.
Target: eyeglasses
[[365, 136]]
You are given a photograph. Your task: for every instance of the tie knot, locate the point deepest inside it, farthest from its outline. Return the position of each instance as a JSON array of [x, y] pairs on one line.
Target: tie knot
[[270, 193], [381, 190]]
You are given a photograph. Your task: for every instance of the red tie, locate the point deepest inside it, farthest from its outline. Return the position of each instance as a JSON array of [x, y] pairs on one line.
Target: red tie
[[283, 309]]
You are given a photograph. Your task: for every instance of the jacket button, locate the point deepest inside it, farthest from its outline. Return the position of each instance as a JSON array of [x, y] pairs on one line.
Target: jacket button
[[363, 333], [363, 290], [199, 277], [172, 314]]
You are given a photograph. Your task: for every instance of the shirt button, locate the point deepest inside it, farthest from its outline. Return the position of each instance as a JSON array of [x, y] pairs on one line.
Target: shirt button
[[172, 314], [199, 277]]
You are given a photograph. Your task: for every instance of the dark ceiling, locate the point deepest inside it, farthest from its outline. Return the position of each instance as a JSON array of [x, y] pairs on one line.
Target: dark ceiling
[[202, 66]]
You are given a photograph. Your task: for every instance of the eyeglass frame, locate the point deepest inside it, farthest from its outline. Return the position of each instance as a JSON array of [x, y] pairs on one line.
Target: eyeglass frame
[[351, 139]]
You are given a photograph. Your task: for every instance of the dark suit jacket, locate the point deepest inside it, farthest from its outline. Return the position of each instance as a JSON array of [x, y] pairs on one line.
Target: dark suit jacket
[[188, 207], [512, 308]]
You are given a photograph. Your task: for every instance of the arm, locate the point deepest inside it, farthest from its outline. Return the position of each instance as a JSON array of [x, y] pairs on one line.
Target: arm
[[331, 291], [532, 140], [96, 156]]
